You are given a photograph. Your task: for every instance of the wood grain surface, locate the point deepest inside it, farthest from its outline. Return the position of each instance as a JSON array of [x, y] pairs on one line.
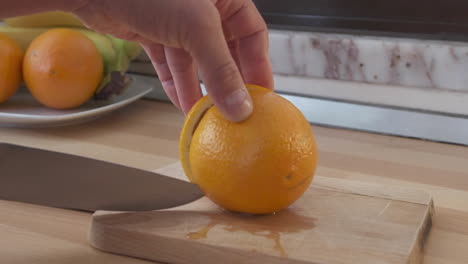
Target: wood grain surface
[[336, 221], [145, 135]]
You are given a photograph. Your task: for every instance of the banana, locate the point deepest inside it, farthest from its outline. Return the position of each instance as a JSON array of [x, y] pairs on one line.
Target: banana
[[132, 49], [116, 79], [23, 36], [116, 54], [45, 19]]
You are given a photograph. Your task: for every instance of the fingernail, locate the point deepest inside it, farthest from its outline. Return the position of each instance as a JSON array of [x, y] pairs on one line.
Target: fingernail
[[239, 105]]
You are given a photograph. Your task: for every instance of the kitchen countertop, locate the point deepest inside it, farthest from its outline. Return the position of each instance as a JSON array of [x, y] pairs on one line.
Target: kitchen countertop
[[145, 135]]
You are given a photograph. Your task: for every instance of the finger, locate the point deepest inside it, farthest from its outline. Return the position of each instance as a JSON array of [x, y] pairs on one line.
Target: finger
[[184, 76], [245, 24], [158, 59], [220, 74], [200, 33], [233, 46]]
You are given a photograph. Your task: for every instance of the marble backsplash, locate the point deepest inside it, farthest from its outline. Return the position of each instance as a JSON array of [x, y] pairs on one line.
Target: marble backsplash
[[379, 60], [389, 61]]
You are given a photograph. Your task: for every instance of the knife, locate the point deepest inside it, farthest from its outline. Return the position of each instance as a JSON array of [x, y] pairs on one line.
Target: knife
[[68, 181]]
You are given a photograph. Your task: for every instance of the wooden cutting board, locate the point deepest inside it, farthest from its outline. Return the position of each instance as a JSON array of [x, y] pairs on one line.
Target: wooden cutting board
[[336, 221]]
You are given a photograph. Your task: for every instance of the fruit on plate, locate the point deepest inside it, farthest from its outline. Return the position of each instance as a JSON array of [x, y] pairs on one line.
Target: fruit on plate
[[11, 58], [116, 54], [259, 166], [62, 68], [45, 19]]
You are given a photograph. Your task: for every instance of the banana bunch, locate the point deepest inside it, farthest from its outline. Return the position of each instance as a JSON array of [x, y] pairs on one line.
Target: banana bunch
[[116, 53], [45, 19]]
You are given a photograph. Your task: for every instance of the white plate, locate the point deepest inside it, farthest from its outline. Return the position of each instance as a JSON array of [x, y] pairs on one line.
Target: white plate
[[22, 110]]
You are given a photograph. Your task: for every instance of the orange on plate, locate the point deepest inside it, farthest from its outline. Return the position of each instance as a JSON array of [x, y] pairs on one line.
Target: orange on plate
[[11, 59], [258, 166], [62, 68]]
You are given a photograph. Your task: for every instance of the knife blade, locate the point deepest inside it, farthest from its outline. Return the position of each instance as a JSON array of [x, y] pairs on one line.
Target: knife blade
[[68, 181]]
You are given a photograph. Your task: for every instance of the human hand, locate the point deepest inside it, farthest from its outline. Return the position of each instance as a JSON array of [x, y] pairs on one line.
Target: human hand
[[226, 40]]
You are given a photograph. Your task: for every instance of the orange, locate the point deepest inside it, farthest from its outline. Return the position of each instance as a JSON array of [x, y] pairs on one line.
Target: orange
[[259, 166], [62, 68], [11, 58]]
